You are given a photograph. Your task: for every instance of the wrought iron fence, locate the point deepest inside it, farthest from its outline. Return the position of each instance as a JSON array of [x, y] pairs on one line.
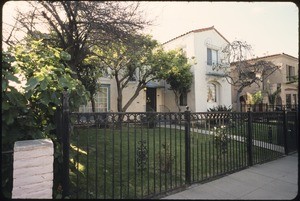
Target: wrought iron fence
[[7, 172], [147, 155]]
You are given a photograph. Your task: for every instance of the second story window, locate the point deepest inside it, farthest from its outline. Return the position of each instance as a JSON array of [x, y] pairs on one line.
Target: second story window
[[290, 73], [212, 56]]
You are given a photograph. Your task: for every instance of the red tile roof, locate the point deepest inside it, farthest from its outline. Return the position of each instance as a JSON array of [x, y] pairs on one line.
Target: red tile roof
[[196, 31]]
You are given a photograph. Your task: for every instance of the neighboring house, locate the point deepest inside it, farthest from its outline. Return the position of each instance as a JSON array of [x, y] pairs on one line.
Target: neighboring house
[[283, 83], [209, 87]]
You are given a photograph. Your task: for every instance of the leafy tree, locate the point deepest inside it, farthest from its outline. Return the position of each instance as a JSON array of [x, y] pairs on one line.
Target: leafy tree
[[90, 77], [257, 97], [176, 72], [240, 71], [28, 112], [77, 26], [129, 61]]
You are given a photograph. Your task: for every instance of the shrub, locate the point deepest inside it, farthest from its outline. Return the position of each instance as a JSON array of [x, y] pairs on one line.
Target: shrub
[[220, 108], [165, 158], [221, 139]]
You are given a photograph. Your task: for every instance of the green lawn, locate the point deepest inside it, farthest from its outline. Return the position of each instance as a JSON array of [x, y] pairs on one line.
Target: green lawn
[[107, 163]]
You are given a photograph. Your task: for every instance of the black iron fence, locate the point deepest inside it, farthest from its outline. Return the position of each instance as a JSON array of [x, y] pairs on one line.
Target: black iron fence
[[6, 172], [147, 155]]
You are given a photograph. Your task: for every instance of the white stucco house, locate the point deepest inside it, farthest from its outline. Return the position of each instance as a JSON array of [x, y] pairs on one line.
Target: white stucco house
[[209, 87]]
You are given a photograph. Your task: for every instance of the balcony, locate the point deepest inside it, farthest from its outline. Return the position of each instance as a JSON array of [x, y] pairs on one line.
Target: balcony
[[214, 71], [291, 79]]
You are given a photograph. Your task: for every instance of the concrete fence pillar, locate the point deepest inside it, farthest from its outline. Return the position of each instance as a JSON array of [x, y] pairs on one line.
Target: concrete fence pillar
[[33, 169]]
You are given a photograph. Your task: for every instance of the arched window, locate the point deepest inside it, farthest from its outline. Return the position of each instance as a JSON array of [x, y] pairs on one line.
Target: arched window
[[211, 92]]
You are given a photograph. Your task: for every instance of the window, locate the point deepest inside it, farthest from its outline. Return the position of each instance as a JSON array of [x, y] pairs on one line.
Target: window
[[294, 101], [290, 73], [102, 99], [288, 99], [212, 56], [183, 99], [211, 93]]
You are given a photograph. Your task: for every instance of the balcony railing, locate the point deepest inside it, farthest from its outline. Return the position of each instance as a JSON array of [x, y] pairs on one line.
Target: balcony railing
[[291, 78]]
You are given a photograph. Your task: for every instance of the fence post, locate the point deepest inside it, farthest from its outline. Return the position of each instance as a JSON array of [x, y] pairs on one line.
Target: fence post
[[286, 151], [249, 139], [65, 142], [187, 115]]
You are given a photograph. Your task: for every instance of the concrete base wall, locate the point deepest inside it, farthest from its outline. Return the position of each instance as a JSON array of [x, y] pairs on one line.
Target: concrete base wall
[[33, 169]]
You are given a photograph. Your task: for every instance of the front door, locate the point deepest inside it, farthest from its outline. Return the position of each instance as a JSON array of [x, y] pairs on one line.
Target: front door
[[151, 100]]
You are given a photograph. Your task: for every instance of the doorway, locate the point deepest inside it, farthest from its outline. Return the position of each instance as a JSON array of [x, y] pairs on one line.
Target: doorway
[[151, 100]]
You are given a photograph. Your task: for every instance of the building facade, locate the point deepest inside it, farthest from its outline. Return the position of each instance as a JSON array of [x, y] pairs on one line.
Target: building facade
[[209, 87], [282, 85]]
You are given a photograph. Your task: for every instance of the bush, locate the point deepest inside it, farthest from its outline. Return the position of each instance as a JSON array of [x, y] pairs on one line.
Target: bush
[[165, 159], [220, 108], [28, 112], [221, 139]]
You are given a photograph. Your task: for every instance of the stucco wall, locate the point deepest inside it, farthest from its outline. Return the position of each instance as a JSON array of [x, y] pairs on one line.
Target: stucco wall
[[195, 44]]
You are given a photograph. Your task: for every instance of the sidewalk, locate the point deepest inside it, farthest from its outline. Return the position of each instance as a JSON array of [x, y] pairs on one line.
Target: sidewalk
[[275, 180]]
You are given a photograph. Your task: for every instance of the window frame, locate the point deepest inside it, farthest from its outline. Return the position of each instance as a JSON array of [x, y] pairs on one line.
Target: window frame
[[183, 99], [290, 73], [210, 60], [97, 98]]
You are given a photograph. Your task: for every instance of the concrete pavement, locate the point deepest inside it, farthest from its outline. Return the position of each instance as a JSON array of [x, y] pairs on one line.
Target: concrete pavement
[[275, 180]]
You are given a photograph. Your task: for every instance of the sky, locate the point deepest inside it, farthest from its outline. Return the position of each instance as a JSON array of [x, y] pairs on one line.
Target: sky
[[269, 27]]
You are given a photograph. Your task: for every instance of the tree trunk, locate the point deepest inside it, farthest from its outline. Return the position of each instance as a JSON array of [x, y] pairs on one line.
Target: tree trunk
[[136, 93], [119, 100], [119, 91], [238, 102], [93, 103], [177, 100]]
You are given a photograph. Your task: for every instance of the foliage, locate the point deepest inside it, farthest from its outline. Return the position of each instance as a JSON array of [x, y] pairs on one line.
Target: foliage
[[77, 26], [176, 72], [257, 97], [90, 78], [129, 61], [221, 139], [165, 158], [220, 108], [28, 112]]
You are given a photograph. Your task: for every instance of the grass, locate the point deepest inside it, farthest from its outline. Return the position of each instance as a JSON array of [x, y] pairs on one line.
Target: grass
[[105, 161]]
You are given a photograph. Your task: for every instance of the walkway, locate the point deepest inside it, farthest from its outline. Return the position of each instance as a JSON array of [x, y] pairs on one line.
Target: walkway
[[275, 180], [257, 143]]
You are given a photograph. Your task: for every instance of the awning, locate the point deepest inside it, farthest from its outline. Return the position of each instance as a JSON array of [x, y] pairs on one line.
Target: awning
[[152, 84]]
